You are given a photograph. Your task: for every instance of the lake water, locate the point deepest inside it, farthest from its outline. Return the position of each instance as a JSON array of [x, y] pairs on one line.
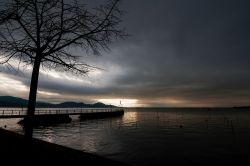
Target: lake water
[[152, 136]]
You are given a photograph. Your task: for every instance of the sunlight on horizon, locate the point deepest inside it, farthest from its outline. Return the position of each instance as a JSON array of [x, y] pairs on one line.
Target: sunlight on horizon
[[120, 102]]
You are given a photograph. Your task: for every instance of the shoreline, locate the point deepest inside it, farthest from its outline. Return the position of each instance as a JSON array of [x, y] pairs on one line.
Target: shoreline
[[14, 151]]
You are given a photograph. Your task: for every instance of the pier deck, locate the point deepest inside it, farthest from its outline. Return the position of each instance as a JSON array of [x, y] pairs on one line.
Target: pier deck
[[20, 112]]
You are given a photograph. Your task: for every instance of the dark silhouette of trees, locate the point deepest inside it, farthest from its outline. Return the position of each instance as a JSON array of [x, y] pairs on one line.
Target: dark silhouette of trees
[[41, 33]]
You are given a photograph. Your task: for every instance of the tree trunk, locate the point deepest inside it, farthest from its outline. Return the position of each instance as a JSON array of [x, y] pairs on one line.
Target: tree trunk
[[28, 120]]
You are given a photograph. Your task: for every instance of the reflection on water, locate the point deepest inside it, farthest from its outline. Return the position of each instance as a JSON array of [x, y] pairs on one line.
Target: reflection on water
[[130, 119], [47, 135], [150, 136], [11, 124]]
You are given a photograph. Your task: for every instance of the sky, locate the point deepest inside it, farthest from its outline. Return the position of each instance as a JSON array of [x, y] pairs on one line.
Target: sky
[[179, 53]]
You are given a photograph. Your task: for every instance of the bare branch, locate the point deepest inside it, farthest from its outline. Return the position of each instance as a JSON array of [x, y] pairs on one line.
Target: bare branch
[[49, 29]]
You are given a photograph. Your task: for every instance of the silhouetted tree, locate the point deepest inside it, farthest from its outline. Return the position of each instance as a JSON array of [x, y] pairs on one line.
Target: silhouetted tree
[[41, 32]]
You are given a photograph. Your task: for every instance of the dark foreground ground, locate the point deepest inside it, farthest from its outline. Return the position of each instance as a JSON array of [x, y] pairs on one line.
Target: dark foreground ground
[[14, 151]]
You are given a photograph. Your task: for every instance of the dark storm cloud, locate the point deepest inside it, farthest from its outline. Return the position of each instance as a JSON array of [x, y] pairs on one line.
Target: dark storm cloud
[[178, 53], [187, 49]]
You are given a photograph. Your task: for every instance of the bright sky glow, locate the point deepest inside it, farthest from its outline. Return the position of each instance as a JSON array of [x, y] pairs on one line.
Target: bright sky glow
[[120, 102], [48, 93], [11, 86]]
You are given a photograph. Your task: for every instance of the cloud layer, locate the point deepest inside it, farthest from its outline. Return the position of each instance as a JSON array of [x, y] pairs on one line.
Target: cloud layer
[[179, 53]]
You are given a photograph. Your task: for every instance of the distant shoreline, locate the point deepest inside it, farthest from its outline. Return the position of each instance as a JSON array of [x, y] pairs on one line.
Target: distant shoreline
[[15, 102]]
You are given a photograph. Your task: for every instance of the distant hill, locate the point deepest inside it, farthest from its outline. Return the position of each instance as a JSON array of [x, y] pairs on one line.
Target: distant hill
[[10, 101]]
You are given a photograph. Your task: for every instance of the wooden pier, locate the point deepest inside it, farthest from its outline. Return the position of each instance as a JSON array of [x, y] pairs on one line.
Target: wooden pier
[[89, 112]]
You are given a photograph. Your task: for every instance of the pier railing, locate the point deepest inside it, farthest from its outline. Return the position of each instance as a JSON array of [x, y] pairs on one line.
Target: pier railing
[[16, 112]]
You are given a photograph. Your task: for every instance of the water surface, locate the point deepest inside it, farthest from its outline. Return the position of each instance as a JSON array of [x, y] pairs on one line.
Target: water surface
[[152, 136]]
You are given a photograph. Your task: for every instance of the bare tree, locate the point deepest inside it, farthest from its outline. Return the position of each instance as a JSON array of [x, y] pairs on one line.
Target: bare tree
[[41, 32]]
